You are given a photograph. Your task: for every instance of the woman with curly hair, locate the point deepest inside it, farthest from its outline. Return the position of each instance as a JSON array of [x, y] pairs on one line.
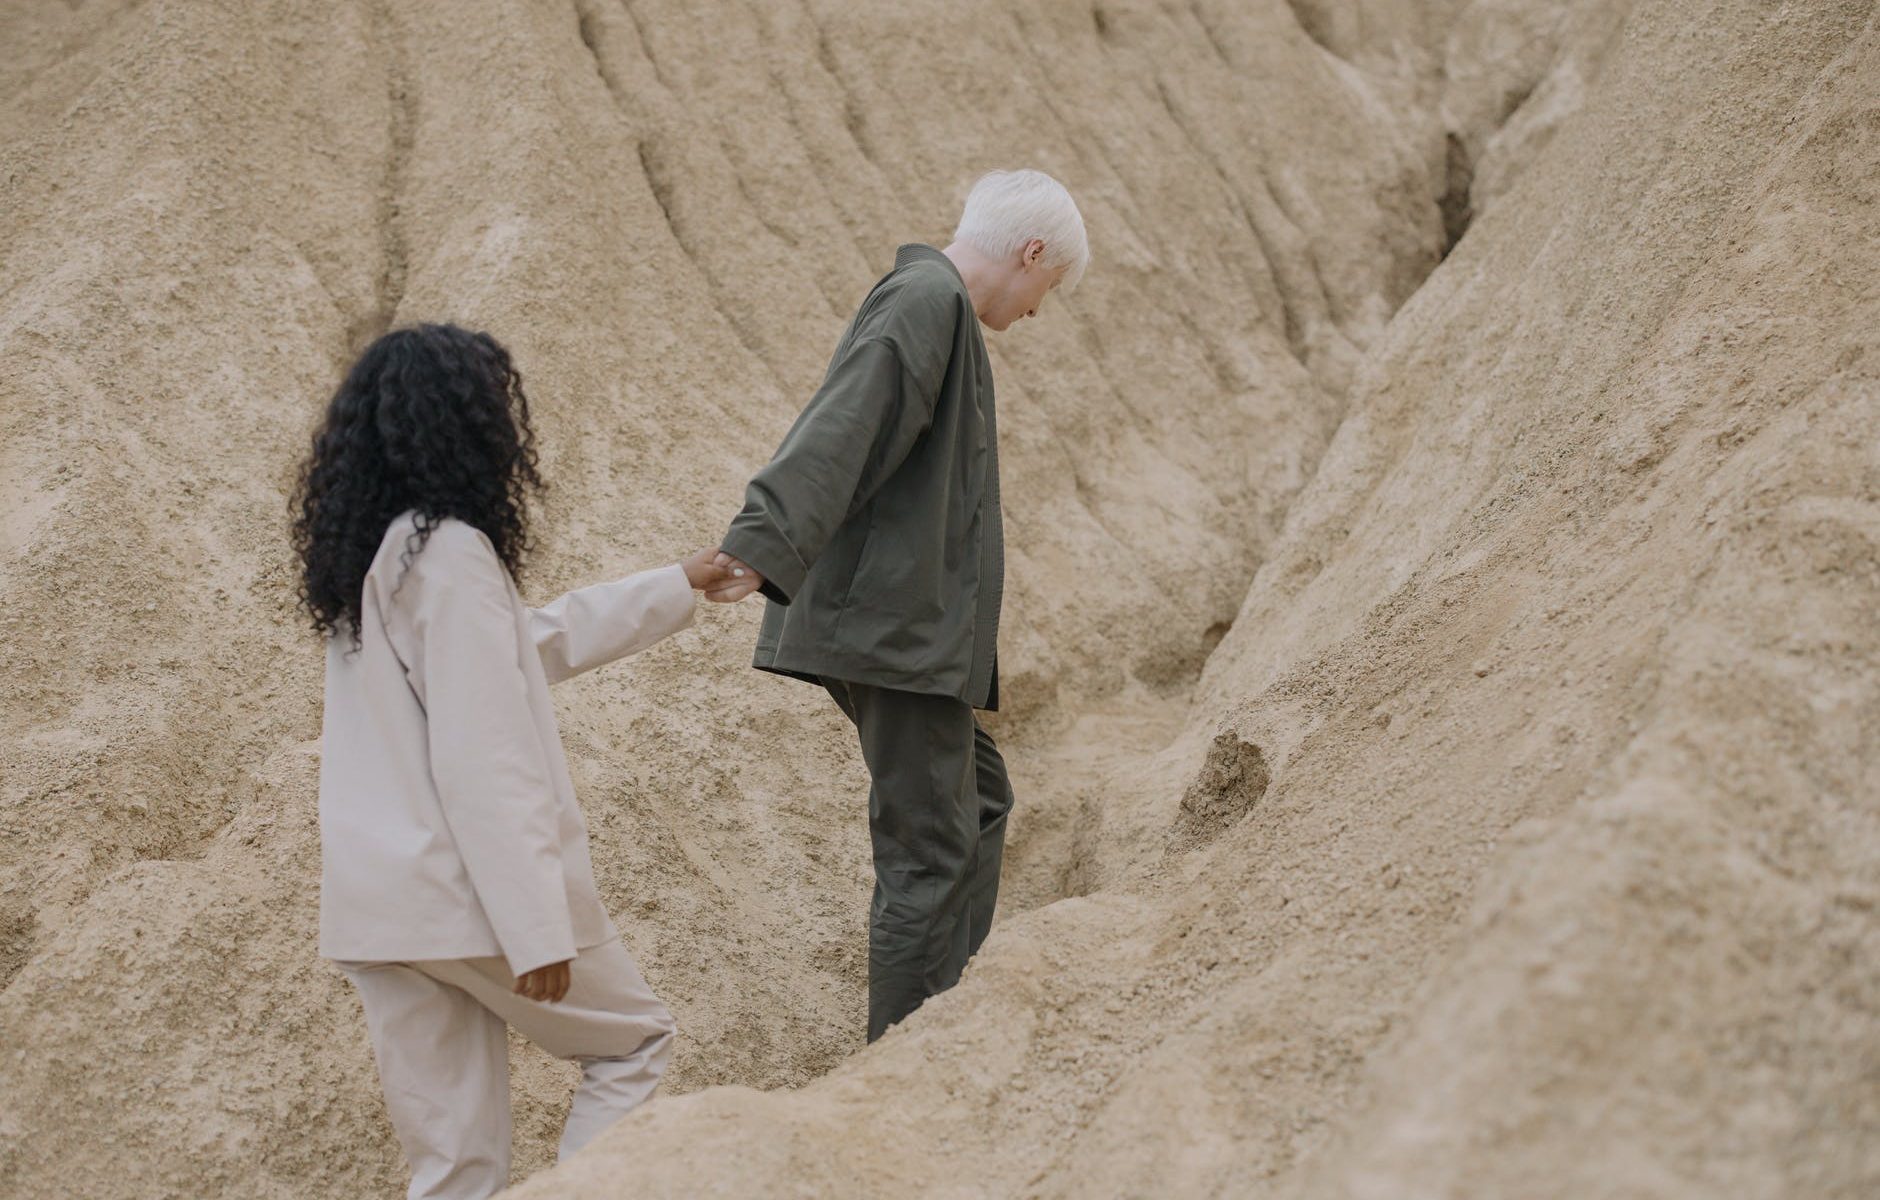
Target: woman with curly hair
[[456, 890]]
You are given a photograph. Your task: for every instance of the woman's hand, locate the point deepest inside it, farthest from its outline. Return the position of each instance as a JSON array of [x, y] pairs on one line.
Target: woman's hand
[[703, 572], [720, 576], [547, 984]]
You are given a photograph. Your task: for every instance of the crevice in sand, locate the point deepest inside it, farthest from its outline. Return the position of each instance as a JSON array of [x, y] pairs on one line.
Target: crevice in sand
[[646, 44], [19, 934], [661, 191], [823, 167], [1312, 25], [1088, 146], [660, 184], [1091, 148], [1459, 174], [739, 175], [401, 105], [1284, 288], [661, 181], [1214, 39], [852, 116]]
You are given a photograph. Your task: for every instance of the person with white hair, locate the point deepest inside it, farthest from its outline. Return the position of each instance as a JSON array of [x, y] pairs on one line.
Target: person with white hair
[[875, 535]]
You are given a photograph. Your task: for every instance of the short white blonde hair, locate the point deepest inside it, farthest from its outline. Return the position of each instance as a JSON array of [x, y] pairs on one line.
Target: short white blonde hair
[[1006, 209]]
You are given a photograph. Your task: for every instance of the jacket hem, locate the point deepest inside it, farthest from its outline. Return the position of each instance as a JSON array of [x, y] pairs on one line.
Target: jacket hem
[[870, 674], [473, 946]]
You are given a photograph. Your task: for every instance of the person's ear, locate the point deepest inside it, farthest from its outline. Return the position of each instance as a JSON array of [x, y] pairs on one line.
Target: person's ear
[[1034, 250]]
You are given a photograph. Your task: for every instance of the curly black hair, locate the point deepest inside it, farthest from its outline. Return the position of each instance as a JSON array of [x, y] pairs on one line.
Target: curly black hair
[[431, 418]]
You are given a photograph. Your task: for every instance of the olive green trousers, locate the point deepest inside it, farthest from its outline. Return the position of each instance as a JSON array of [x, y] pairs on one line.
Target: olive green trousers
[[936, 816]]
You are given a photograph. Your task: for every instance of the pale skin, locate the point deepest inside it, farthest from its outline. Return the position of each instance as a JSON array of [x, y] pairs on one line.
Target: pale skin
[[550, 984], [1004, 291]]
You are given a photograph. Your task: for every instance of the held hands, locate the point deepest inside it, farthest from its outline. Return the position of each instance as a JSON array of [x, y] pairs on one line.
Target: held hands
[[547, 984], [721, 577], [738, 581]]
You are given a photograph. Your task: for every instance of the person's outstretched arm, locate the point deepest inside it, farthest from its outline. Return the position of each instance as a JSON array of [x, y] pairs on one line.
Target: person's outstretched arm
[[851, 436], [593, 626]]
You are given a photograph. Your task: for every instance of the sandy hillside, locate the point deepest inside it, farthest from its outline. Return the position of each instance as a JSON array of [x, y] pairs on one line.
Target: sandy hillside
[[1441, 644]]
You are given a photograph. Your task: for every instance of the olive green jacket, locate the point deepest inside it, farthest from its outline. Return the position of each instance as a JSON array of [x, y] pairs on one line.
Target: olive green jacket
[[876, 526]]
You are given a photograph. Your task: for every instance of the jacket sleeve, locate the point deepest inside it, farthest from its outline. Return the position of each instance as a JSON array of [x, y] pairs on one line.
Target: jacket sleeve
[[854, 432], [595, 625], [487, 760]]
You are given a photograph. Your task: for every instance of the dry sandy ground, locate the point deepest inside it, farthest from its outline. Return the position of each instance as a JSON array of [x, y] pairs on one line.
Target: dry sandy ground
[[1442, 680]]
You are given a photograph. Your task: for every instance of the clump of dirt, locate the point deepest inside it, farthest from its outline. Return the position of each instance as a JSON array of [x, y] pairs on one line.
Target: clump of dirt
[[1233, 778]]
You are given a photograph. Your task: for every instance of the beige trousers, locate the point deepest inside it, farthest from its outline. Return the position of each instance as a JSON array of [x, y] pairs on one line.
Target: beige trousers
[[437, 1030]]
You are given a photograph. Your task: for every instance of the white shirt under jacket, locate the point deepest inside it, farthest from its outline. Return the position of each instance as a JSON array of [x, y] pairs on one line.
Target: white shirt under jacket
[[448, 823]]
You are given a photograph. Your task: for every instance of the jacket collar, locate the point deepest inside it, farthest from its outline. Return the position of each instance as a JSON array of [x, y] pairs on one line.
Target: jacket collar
[[915, 251]]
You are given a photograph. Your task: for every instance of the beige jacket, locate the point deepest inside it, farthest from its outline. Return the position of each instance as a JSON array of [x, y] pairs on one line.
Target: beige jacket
[[448, 823]]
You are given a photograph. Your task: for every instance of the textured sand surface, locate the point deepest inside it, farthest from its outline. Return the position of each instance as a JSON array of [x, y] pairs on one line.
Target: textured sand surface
[[1441, 644]]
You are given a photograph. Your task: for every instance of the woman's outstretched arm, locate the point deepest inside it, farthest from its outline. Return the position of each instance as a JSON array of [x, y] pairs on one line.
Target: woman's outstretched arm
[[593, 626]]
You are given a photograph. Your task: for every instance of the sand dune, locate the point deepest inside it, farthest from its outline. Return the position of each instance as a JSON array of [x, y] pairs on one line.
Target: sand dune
[[1441, 653]]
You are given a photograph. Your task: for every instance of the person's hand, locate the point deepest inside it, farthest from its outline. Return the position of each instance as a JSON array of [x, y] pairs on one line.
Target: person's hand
[[739, 580], [547, 984], [702, 570]]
